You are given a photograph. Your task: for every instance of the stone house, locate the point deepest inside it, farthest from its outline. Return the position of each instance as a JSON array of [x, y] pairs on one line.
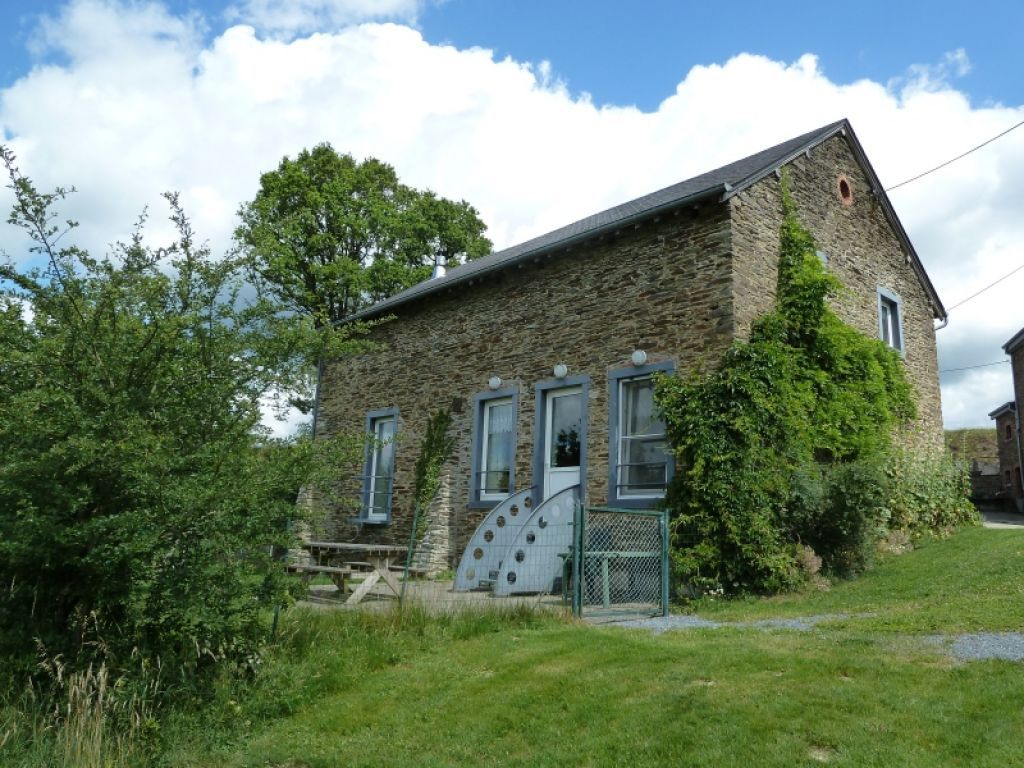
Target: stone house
[[1007, 418], [544, 352]]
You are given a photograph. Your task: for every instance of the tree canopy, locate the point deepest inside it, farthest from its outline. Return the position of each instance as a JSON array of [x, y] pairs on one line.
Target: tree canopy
[[329, 235]]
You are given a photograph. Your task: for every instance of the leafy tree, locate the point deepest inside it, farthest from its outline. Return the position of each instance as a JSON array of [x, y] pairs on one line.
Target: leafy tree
[[329, 235], [139, 501]]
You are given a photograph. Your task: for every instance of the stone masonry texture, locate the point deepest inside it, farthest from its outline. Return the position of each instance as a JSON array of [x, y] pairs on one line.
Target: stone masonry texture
[[681, 286], [862, 251], [1006, 432]]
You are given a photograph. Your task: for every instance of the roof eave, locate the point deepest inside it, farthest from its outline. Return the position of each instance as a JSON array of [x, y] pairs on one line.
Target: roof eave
[[717, 191], [826, 134], [1014, 343], [1004, 408]]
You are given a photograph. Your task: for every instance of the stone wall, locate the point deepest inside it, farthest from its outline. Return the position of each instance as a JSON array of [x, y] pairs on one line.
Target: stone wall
[[986, 486], [664, 287], [862, 251]]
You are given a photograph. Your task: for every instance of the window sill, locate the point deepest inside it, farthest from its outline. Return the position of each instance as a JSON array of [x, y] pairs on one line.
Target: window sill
[[634, 502], [367, 521], [485, 504]]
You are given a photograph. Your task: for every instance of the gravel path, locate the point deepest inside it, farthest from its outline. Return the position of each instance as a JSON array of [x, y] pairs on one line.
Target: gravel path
[[1008, 646], [979, 646], [659, 624]]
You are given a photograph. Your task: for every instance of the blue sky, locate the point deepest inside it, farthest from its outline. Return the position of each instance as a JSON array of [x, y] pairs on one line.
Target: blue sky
[[537, 112], [636, 53]]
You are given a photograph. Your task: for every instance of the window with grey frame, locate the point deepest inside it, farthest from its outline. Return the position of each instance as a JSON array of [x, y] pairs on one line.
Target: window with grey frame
[[641, 465], [493, 447], [497, 448], [890, 322], [378, 481]]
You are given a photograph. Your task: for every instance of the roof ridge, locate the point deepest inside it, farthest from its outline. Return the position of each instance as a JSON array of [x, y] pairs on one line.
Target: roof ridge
[[722, 183]]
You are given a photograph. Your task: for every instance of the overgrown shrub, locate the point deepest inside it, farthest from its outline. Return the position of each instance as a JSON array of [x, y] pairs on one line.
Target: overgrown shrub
[[853, 517], [928, 493], [785, 444], [140, 504]]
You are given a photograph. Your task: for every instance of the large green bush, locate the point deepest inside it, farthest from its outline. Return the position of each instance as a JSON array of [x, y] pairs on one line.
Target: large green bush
[[786, 443], [140, 505]]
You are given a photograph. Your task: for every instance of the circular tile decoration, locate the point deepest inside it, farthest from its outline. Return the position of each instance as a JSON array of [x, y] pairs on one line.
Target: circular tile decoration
[[471, 574], [478, 554], [488, 535], [511, 577], [542, 523], [514, 510], [500, 521], [531, 537], [520, 556], [527, 502]]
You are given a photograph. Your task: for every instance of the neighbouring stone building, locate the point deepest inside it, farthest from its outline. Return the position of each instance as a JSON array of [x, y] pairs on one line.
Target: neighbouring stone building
[[978, 449], [543, 352], [1007, 418]]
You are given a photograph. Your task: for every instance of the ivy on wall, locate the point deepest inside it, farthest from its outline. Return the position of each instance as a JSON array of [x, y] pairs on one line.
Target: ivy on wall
[[434, 452], [785, 446]]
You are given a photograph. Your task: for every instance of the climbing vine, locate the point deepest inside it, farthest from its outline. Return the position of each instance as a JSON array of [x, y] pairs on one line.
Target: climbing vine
[[434, 452], [784, 446]]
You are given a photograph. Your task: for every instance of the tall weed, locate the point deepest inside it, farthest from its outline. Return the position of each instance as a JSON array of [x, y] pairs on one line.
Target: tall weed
[[81, 719], [928, 493]]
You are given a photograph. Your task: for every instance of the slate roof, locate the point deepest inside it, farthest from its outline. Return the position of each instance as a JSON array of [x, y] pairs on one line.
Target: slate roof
[[717, 185], [1005, 407], [1013, 344]]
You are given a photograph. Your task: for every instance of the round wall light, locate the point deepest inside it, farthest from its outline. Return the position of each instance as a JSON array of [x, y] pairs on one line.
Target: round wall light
[[638, 358], [560, 370], [494, 382]]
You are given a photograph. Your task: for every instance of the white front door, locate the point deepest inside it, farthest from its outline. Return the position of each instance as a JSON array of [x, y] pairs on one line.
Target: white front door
[[563, 429]]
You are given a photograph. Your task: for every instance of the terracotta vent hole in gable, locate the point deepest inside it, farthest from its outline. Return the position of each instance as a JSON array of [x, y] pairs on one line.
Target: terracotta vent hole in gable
[[845, 191]]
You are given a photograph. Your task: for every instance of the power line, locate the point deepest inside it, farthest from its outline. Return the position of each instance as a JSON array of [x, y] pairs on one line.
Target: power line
[[972, 367], [990, 285], [958, 157]]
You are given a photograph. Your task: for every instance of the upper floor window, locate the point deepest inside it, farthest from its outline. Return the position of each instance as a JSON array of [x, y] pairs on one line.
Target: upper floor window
[[890, 319], [640, 464], [379, 467], [494, 441], [1009, 432]]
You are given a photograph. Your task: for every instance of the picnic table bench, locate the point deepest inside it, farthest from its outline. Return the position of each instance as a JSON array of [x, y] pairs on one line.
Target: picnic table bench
[[308, 570], [376, 563]]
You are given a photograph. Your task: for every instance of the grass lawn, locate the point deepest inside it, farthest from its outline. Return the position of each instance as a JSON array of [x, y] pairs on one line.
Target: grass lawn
[[348, 689], [972, 581]]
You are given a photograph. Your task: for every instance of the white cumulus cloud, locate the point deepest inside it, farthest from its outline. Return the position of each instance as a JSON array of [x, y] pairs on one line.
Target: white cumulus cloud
[[141, 104], [290, 17]]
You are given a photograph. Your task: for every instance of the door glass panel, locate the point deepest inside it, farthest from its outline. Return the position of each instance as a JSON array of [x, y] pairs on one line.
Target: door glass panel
[[566, 425]]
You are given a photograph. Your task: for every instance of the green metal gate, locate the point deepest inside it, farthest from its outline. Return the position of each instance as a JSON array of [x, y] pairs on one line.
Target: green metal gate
[[620, 563]]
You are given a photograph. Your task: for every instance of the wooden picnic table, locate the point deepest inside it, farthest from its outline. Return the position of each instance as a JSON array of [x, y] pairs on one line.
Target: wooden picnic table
[[378, 556]]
